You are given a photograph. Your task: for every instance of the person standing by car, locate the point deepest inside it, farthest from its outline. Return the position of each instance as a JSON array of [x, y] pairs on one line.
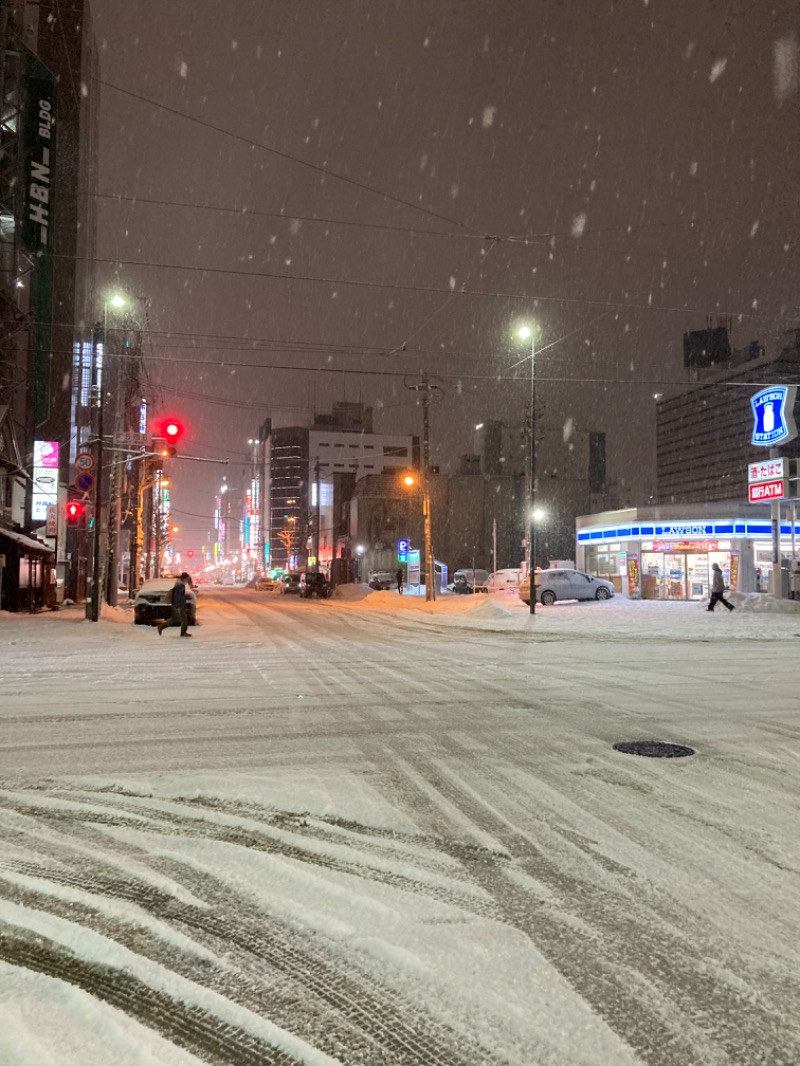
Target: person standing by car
[[718, 589], [180, 614], [399, 576]]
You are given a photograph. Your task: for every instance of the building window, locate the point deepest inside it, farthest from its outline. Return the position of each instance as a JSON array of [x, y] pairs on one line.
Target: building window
[[397, 450]]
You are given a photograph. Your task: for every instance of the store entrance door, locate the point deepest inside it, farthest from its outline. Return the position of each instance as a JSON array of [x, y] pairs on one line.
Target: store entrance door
[[683, 575]]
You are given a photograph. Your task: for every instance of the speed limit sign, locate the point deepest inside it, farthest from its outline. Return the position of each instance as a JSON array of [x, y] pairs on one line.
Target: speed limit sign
[[84, 461]]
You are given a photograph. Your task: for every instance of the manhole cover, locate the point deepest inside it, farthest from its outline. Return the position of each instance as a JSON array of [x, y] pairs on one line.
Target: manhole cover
[[653, 749]]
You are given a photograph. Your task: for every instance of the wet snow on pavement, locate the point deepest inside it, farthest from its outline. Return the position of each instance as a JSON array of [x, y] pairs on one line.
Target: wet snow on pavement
[[373, 830]]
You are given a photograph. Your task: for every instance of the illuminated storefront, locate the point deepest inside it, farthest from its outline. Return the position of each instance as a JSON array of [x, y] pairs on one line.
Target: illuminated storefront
[[667, 553]]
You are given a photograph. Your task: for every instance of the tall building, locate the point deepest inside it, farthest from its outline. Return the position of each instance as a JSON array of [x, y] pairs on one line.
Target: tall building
[[703, 434], [46, 247], [309, 474]]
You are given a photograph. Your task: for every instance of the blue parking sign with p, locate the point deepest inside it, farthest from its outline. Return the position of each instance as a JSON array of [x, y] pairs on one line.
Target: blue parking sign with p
[[402, 551]]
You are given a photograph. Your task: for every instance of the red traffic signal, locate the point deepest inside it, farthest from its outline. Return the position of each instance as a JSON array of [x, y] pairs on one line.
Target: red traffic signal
[[172, 430], [75, 513]]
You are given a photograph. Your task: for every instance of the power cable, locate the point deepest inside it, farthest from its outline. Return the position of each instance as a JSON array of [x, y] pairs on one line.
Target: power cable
[[433, 289], [363, 186], [542, 239]]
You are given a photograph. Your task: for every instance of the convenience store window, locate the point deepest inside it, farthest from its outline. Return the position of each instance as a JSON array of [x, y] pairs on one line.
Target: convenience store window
[[603, 561]]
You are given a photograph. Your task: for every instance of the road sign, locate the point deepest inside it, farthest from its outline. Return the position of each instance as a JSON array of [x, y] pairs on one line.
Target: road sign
[[768, 470], [84, 482], [130, 439], [84, 461], [768, 490]]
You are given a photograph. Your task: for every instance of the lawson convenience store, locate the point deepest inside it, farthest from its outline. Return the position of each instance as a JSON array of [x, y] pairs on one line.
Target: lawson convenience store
[[666, 553]]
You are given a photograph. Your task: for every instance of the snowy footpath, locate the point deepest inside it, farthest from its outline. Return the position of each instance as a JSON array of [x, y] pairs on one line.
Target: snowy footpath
[[372, 831]]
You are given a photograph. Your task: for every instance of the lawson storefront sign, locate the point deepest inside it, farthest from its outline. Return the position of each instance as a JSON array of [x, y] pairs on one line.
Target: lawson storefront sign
[[679, 531], [773, 415]]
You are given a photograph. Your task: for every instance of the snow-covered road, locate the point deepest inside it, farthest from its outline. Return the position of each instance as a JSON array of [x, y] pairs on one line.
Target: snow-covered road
[[374, 831]]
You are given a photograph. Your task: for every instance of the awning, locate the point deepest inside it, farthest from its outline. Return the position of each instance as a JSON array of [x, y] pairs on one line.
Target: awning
[[28, 544]]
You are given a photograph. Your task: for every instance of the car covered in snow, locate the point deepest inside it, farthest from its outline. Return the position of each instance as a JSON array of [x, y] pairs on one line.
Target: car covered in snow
[[381, 580], [563, 584], [467, 581], [153, 601], [505, 580]]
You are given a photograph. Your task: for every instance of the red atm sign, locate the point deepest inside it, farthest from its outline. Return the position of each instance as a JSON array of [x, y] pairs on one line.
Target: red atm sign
[[768, 490]]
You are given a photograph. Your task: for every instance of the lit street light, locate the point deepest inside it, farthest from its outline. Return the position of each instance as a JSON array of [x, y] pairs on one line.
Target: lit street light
[[529, 333]]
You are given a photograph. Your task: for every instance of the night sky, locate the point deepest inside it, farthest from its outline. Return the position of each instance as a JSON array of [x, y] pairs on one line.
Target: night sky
[[322, 200]]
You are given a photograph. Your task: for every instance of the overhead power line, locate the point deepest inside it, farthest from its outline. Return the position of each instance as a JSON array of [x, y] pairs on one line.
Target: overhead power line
[[438, 290], [316, 167], [540, 239]]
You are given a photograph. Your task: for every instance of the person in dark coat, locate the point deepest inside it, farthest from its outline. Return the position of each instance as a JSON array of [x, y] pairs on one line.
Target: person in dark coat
[[399, 576], [180, 613], [718, 589]]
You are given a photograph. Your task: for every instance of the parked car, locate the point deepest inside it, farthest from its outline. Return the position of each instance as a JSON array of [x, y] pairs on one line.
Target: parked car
[[314, 583], [152, 602], [560, 584], [465, 582], [505, 580], [381, 580], [290, 584]]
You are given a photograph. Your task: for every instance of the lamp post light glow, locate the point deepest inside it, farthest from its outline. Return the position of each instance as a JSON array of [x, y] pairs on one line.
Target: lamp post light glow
[[528, 332]]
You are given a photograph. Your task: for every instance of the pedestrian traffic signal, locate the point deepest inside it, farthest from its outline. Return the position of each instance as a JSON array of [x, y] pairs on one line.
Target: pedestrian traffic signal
[[75, 513], [173, 431]]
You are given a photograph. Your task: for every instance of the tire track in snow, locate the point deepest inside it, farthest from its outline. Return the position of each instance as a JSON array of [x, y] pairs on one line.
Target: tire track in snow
[[332, 1005], [649, 981]]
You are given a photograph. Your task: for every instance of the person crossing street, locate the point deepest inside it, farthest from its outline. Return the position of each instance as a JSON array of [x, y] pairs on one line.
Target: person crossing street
[[718, 589], [180, 613]]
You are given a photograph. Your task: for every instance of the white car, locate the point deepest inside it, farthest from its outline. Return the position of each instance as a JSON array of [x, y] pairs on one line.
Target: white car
[[505, 580], [152, 601], [560, 584]]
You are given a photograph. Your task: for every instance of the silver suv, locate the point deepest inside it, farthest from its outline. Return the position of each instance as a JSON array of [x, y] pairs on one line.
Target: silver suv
[[560, 584]]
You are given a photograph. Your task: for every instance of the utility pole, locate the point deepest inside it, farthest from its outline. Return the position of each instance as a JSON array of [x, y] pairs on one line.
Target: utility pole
[[93, 604], [426, 389], [114, 499], [315, 541], [159, 523]]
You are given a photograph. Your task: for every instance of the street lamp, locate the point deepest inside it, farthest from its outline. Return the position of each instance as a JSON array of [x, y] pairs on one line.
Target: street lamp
[[529, 333], [93, 605]]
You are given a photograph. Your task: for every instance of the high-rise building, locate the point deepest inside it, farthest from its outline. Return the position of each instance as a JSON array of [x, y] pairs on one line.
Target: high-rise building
[[308, 478], [48, 131], [703, 433]]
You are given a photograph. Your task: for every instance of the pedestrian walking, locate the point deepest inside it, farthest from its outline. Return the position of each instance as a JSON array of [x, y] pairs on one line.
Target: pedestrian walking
[[718, 589], [399, 576], [180, 613]]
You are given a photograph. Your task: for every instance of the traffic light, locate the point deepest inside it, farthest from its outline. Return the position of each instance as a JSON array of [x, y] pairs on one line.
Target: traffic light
[[75, 513], [173, 431]]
